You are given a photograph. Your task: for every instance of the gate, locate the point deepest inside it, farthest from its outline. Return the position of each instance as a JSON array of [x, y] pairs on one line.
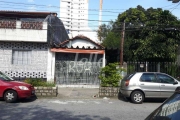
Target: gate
[[77, 69]]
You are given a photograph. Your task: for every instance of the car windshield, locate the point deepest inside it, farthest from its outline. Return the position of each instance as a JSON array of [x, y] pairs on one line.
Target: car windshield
[[170, 110], [4, 77]]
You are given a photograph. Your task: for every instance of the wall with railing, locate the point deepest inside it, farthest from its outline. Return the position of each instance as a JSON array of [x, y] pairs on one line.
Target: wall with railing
[[26, 31]]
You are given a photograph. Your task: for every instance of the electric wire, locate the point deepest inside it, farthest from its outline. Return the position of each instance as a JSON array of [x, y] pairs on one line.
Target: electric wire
[[71, 18]]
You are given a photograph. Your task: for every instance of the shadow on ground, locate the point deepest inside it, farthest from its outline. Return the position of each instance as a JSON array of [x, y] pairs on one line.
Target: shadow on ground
[[20, 111], [22, 100], [152, 100]]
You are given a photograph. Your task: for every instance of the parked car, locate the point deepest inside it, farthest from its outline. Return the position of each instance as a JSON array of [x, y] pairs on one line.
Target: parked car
[[141, 85], [169, 110], [12, 90]]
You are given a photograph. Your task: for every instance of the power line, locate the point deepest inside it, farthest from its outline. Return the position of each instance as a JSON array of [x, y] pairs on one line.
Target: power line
[[104, 10], [175, 7], [58, 11], [55, 7], [59, 7]]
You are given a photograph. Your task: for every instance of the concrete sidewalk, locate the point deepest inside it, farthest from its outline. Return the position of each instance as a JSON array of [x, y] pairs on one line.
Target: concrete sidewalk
[[77, 93]]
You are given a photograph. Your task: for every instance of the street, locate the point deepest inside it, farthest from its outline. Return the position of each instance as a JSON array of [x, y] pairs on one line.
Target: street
[[76, 109]]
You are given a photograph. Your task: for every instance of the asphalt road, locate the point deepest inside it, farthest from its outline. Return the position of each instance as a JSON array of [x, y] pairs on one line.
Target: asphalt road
[[76, 109]]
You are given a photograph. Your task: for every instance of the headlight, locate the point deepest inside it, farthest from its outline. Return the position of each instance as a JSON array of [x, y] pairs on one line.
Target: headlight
[[23, 88]]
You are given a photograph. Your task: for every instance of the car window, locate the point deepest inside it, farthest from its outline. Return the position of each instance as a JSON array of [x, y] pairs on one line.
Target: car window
[[170, 110], [4, 77], [148, 77], [128, 77], [165, 79]]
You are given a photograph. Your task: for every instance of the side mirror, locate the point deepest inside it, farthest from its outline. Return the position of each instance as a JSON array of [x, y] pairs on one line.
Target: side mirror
[[175, 82]]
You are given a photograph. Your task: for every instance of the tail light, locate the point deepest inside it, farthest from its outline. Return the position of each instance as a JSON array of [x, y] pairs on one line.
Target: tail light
[[127, 82]]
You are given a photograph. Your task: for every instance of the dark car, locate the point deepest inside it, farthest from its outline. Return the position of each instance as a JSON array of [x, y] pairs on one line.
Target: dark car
[[11, 90], [169, 110]]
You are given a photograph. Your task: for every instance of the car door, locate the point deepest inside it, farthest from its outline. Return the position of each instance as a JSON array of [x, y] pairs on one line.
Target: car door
[[149, 84], [167, 84]]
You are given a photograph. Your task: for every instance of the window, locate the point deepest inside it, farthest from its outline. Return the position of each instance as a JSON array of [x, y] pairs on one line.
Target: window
[[148, 77], [170, 110], [21, 57], [4, 77], [165, 79]]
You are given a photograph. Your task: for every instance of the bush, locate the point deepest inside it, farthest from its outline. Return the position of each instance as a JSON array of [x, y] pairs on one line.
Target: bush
[[110, 75], [39, 82]]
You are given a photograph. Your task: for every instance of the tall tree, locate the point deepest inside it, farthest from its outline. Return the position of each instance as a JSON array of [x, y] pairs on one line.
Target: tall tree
[[150, 34], [104, 30]]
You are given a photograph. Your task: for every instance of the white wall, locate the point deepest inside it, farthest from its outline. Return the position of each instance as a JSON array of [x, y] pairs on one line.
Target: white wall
[[81, 43], [50, 66], [36, 68], [24, 35]]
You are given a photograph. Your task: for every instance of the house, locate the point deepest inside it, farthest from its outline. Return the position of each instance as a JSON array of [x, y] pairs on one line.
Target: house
[[36, 44], [25, 42], [78, 62]]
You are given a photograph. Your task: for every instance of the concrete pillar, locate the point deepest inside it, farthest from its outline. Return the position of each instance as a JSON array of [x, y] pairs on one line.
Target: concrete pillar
[[104, 60], [51, 66]]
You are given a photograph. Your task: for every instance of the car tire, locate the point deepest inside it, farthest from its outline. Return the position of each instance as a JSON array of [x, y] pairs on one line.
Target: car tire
[[10, 96], [137, 97]]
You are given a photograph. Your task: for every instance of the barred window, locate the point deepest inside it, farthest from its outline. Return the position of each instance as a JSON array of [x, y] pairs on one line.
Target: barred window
[[21, 57]]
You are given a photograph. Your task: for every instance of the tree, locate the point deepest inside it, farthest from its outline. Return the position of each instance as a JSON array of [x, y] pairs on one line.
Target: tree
[[150, 34], [110, 75], [112, 40], [104, 30]]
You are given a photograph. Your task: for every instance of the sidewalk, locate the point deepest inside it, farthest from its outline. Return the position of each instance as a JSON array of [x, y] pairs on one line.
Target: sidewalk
[[77, 93]]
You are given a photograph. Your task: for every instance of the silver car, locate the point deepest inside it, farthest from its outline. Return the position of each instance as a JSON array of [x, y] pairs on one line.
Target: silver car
[[141, 85]]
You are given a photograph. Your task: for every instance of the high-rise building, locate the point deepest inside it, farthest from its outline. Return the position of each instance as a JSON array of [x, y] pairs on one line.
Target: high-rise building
[[74, 15]]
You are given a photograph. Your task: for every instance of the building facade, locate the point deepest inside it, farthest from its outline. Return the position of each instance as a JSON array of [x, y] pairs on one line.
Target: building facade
[[36, 45], [78, 62], [74, 14], [25, 44]]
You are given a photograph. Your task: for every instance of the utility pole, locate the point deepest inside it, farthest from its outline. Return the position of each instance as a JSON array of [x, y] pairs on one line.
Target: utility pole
[[100, 18], [122, 44]]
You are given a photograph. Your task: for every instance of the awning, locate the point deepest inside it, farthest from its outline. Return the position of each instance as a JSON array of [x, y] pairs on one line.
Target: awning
[[67, 50]]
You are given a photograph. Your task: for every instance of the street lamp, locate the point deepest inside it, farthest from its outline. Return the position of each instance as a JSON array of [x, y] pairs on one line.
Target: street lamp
[[174, 1]]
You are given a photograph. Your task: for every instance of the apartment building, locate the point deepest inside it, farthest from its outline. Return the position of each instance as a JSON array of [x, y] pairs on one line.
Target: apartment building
[[74, 15]]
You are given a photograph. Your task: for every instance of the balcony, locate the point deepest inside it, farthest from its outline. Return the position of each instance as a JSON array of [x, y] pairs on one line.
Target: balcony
[[23, 31]]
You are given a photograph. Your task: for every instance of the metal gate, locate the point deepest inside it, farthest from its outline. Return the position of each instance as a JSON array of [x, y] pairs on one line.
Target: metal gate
[[77, 69]]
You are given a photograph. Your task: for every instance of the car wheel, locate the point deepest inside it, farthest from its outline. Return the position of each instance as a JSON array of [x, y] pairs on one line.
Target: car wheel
[[10, 96], [137, 97]]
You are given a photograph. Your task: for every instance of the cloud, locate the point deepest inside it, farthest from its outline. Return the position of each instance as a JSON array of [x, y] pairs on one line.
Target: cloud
[[49, 5], [32, 8], [30, 1]]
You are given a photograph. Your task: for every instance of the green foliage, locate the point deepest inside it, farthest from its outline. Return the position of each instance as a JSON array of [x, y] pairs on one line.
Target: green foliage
[[104, 30], [150, 34], [112, 40], [172, 69], [39, 82], [110, 75], [131, 68]]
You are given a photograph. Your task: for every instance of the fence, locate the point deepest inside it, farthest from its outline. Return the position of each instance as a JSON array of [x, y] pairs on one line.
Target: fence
[[170, 68]]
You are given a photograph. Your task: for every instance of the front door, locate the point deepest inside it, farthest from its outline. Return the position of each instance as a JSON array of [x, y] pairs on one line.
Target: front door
[[150, 85], [167, 85]]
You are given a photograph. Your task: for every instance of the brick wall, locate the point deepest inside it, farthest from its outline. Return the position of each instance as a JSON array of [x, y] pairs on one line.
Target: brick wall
[[46, 91]]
